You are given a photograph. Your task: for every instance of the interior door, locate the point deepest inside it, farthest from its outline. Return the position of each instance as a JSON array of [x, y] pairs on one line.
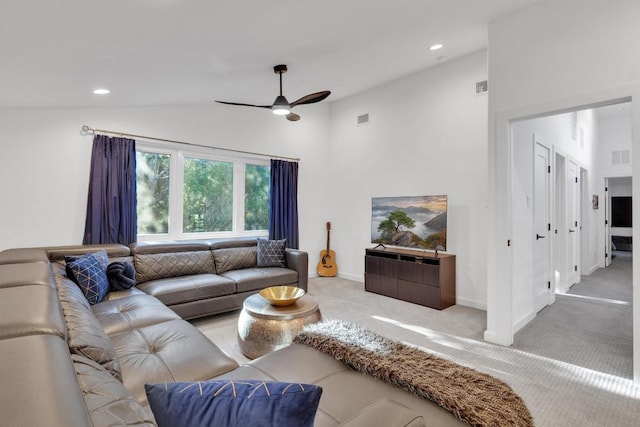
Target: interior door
[[541, 227], [607, 225], [573, 212], [559, 277]]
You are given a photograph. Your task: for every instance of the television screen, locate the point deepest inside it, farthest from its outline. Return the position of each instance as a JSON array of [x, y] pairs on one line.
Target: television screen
[[418, 222], [621, 211]]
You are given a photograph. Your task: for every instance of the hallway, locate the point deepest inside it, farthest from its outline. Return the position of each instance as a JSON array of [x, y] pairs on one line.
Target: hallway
[[591, 326]]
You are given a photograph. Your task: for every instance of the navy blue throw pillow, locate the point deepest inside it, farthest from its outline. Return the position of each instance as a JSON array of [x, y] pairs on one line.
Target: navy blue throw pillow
[[271, 253], [121, 276], [100, 255], [232, 403], [88, 272]]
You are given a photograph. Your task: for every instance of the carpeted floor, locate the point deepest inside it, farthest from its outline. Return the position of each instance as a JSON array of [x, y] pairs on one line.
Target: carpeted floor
[[591, 325], [560, 388]]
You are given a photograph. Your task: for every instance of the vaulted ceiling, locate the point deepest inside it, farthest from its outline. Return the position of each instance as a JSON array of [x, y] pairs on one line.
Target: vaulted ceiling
[[157, 52]]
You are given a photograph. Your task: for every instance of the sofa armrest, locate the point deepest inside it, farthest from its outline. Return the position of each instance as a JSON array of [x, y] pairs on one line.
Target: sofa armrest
[[299, 261]]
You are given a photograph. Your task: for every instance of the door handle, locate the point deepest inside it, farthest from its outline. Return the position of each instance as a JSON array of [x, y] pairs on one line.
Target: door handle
[[539, 236], [572, 231]]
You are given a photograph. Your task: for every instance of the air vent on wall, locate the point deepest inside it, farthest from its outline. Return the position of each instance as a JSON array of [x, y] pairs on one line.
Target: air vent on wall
[[363, 119], [621, 157]]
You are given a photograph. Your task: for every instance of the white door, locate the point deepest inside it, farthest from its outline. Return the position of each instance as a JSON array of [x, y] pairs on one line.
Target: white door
[[541, 227], [573, 212], [607, 225], [559, 277]]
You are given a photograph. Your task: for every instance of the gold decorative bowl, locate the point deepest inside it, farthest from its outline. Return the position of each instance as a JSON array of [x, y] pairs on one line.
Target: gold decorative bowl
[[282, 295]]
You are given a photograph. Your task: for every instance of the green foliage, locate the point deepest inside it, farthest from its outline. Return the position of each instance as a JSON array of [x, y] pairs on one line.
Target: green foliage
[[394, 221], [152, 179], [256, 197], [207, 195], [436, 239]]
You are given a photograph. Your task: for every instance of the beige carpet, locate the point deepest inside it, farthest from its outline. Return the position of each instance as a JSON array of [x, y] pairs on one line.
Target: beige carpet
[[557, 393]]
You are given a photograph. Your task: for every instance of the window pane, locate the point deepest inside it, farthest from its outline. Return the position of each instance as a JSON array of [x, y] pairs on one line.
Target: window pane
[[152, 180], [208, 195], [256, 197]]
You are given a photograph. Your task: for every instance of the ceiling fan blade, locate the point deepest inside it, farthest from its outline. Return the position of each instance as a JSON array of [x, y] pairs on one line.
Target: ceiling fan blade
[[311, 98], [244, 105], [293, 117]]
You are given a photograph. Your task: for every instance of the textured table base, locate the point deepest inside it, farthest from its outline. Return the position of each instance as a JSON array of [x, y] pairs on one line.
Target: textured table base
[[258, 336]]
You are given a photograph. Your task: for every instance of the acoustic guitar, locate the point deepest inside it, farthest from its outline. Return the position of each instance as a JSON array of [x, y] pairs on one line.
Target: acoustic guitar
[[327, 266]]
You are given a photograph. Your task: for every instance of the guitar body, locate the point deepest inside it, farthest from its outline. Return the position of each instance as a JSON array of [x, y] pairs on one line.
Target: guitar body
[[327, 266]]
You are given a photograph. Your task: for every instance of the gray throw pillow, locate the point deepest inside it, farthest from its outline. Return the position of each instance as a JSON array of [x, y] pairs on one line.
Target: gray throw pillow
[[271, 253]]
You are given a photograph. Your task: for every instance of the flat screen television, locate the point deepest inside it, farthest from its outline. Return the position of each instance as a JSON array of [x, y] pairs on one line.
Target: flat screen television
[[418, 222], [621, 211]]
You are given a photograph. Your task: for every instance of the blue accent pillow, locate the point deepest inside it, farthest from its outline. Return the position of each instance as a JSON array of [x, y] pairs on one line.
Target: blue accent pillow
[[100, 255], [88, 272], [271, 253], [121, 275], [232, 403]]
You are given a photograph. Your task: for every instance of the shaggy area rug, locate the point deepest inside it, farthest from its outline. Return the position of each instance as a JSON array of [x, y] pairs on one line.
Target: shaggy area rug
[[472, 396]]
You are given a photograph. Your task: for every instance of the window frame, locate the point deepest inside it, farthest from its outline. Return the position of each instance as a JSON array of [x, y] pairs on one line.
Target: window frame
[[177, 155]]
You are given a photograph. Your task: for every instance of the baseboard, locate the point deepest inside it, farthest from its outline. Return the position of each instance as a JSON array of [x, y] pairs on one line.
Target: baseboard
[[523, 322], [347, 276], [471, 303]]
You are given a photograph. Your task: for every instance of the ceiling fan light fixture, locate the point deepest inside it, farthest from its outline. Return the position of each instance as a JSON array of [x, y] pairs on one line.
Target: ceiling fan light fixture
[[281, 106]]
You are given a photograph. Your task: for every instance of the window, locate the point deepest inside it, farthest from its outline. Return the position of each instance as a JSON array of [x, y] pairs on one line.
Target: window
[[256, 197], [192, 194], [207, 196], [153, 176]]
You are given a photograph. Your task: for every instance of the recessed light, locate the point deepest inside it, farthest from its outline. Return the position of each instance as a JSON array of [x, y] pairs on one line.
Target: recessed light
[[435, 46], [101, 91]]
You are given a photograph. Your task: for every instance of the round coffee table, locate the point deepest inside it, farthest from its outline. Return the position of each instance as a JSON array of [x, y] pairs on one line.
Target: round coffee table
[[263, 328]]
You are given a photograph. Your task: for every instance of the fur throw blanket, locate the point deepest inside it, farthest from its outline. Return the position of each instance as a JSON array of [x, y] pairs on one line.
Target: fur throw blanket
[[474, 397]]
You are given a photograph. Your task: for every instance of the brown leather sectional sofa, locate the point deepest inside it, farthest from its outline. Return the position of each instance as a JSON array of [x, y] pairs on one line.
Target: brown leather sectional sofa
[[67, 363]]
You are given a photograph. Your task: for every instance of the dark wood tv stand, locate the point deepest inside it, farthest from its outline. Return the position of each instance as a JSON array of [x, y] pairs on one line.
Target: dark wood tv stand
[[410, 275]]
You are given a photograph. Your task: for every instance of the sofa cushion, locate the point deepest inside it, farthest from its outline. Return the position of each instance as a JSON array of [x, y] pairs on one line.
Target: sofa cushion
[[168, 352], [178, 290], [39, 385], [133, 312], [253, 279], [36, 273], [271, 253], [108, 401], [85, 335], [386, 412], [235, 258], [88, 272], [29, 310], [234, 403], [172, 264]]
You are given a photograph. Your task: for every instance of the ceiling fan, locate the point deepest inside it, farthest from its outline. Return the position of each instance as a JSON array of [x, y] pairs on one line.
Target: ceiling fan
[[281, 106]]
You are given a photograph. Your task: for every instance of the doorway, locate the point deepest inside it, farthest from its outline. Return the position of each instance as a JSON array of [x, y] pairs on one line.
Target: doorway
[[567, 200]]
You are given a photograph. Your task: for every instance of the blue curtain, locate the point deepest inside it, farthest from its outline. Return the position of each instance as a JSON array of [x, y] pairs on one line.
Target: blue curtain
[[283, 202], [111, 205]]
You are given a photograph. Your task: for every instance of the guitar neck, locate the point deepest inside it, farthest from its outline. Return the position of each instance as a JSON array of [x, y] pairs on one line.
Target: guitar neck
[[328, 236]]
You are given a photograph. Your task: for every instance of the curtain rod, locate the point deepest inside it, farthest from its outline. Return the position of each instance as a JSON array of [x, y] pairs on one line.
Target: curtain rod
[[86, 130]]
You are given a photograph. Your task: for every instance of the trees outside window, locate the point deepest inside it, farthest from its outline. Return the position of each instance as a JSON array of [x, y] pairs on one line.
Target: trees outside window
[[184, 195]]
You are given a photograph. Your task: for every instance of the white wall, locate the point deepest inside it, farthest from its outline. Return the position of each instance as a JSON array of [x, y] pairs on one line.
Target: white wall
[[553, 56], [614, 134], [427, 135], [44, 166]]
